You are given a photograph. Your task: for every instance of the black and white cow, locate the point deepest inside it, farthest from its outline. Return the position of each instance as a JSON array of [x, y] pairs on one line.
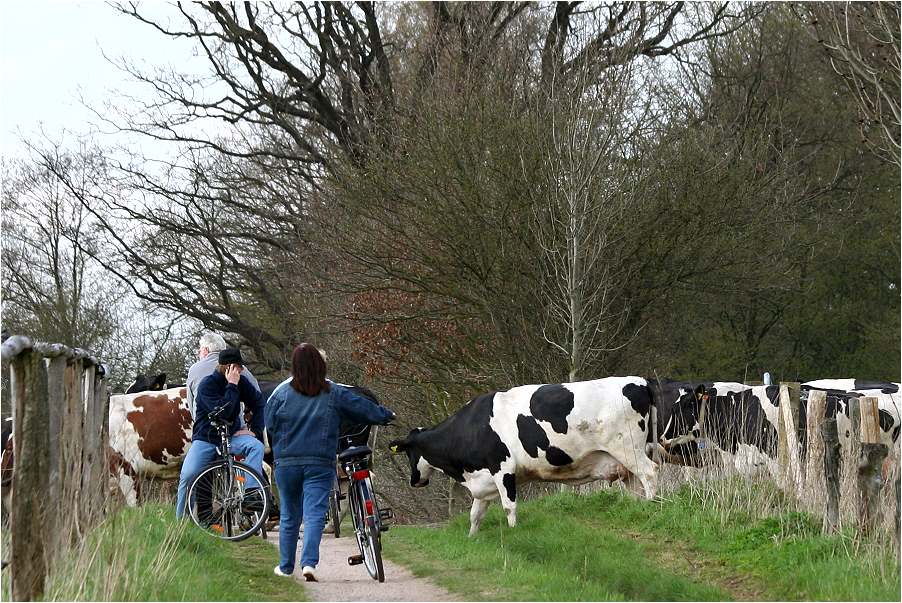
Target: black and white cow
[[740, 423], [841, 391], [741, 420], [572, 433]]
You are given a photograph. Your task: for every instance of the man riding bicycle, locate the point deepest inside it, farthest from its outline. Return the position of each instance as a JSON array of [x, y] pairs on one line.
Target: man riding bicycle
[[222, 393]]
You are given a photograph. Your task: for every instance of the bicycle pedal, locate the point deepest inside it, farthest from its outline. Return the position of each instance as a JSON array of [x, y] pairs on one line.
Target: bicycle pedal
[[355, 559], [386, 514]]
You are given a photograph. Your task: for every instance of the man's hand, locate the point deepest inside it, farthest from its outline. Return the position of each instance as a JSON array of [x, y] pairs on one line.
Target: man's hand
[[233, 374]]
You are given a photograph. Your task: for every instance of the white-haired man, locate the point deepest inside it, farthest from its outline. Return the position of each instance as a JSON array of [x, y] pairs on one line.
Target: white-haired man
[[209, 346]]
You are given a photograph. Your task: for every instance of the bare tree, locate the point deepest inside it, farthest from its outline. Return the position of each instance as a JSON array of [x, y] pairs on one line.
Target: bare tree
[[209, 239], [591, 181], [862, 40], [52, 289], [585, 36]]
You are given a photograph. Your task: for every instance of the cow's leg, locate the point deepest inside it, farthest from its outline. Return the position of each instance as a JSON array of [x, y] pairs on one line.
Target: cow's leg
[[506, 483], [477, 512], [638, 463]]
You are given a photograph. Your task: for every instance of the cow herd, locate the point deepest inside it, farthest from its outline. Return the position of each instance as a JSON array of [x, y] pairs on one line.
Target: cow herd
[[612, 429], [603, 430]]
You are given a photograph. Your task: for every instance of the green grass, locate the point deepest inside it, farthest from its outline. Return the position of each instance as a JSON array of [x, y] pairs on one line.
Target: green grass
[[610, 546], [145, 554]]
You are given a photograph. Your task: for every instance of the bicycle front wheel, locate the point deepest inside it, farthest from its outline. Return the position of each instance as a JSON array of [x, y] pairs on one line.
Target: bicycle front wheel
[[224, 502], [369, 538]]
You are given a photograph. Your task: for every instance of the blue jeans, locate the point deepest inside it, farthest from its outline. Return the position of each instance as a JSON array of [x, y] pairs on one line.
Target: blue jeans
[[202, 453], [303, 494]]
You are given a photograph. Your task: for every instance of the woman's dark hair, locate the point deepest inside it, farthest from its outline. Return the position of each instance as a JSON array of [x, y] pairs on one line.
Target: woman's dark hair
[[308, 370]]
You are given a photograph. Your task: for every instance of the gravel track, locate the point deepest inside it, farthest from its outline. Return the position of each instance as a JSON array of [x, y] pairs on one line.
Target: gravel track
[[339, 581]]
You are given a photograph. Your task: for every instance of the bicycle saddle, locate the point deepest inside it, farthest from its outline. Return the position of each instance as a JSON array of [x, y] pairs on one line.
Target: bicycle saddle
[[355, 451]]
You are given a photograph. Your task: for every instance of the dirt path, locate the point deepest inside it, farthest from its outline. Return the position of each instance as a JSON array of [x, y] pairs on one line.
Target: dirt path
[[339, 581]]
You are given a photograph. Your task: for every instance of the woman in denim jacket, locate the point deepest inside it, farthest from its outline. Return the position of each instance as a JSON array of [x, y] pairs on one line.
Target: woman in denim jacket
[[302, 418]]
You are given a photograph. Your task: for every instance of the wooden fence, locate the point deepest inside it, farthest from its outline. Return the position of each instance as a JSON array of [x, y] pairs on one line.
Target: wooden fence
[[59, 489], [828, 477]]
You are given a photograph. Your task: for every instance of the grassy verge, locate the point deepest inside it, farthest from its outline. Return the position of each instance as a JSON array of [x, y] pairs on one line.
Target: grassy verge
[[609, 546], [145, 554]]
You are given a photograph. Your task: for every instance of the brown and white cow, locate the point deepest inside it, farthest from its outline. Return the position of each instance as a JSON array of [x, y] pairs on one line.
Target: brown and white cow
[[151, 430], [150, 434]]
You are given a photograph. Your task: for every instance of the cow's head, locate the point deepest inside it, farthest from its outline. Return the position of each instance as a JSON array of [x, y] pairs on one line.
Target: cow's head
[[420, 469], [682, 427], [143, 383]]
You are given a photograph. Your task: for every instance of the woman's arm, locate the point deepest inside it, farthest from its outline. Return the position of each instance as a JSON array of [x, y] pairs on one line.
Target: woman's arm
[[360, 409]]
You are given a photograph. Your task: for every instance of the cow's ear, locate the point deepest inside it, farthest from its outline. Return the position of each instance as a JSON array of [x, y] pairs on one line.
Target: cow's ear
[[160, 380], [397, 446]]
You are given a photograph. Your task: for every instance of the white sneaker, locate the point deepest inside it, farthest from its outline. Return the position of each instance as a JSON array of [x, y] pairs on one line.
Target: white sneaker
[[308, 574], [278, 571]]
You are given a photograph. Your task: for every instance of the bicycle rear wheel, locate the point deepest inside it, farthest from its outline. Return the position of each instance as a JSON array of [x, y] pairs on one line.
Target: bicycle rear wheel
[[369, 538], [220, 503], [335, 509]]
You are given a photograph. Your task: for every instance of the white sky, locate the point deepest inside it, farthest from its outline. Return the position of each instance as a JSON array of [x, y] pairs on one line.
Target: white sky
[[50, 54]]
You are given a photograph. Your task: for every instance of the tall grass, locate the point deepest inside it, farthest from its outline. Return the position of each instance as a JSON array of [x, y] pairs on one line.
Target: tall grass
[[144, 553]]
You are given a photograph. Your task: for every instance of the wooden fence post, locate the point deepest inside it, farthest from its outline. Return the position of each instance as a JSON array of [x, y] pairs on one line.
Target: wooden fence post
[[75, 410], [29, 487], [831, 473], [869, 429], [869, 464], [815, 413], [788, 445], [89, 455], [848, 425], [102, 408], [56, 457]]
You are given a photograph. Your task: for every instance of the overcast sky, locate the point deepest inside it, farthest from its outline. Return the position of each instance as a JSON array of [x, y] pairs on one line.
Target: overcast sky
[[50, 53]]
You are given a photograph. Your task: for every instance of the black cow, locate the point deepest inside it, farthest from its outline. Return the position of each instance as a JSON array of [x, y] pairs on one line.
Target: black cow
[[143, 383]]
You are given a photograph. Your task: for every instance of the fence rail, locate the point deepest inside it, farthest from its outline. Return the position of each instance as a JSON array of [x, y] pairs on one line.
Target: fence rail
[[59, 489]]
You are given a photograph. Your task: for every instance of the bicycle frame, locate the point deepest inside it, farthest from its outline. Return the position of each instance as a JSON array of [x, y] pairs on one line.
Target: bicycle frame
[[224, 449]]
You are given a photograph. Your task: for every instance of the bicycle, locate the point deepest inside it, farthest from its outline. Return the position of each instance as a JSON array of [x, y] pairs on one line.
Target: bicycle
[[365, 512], [218, 500]]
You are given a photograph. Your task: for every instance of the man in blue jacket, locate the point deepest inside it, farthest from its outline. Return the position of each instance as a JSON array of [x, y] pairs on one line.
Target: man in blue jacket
[[226, 388]]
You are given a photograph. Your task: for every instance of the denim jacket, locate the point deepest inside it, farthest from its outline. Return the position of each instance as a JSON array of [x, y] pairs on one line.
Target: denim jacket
[[303, 430]]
